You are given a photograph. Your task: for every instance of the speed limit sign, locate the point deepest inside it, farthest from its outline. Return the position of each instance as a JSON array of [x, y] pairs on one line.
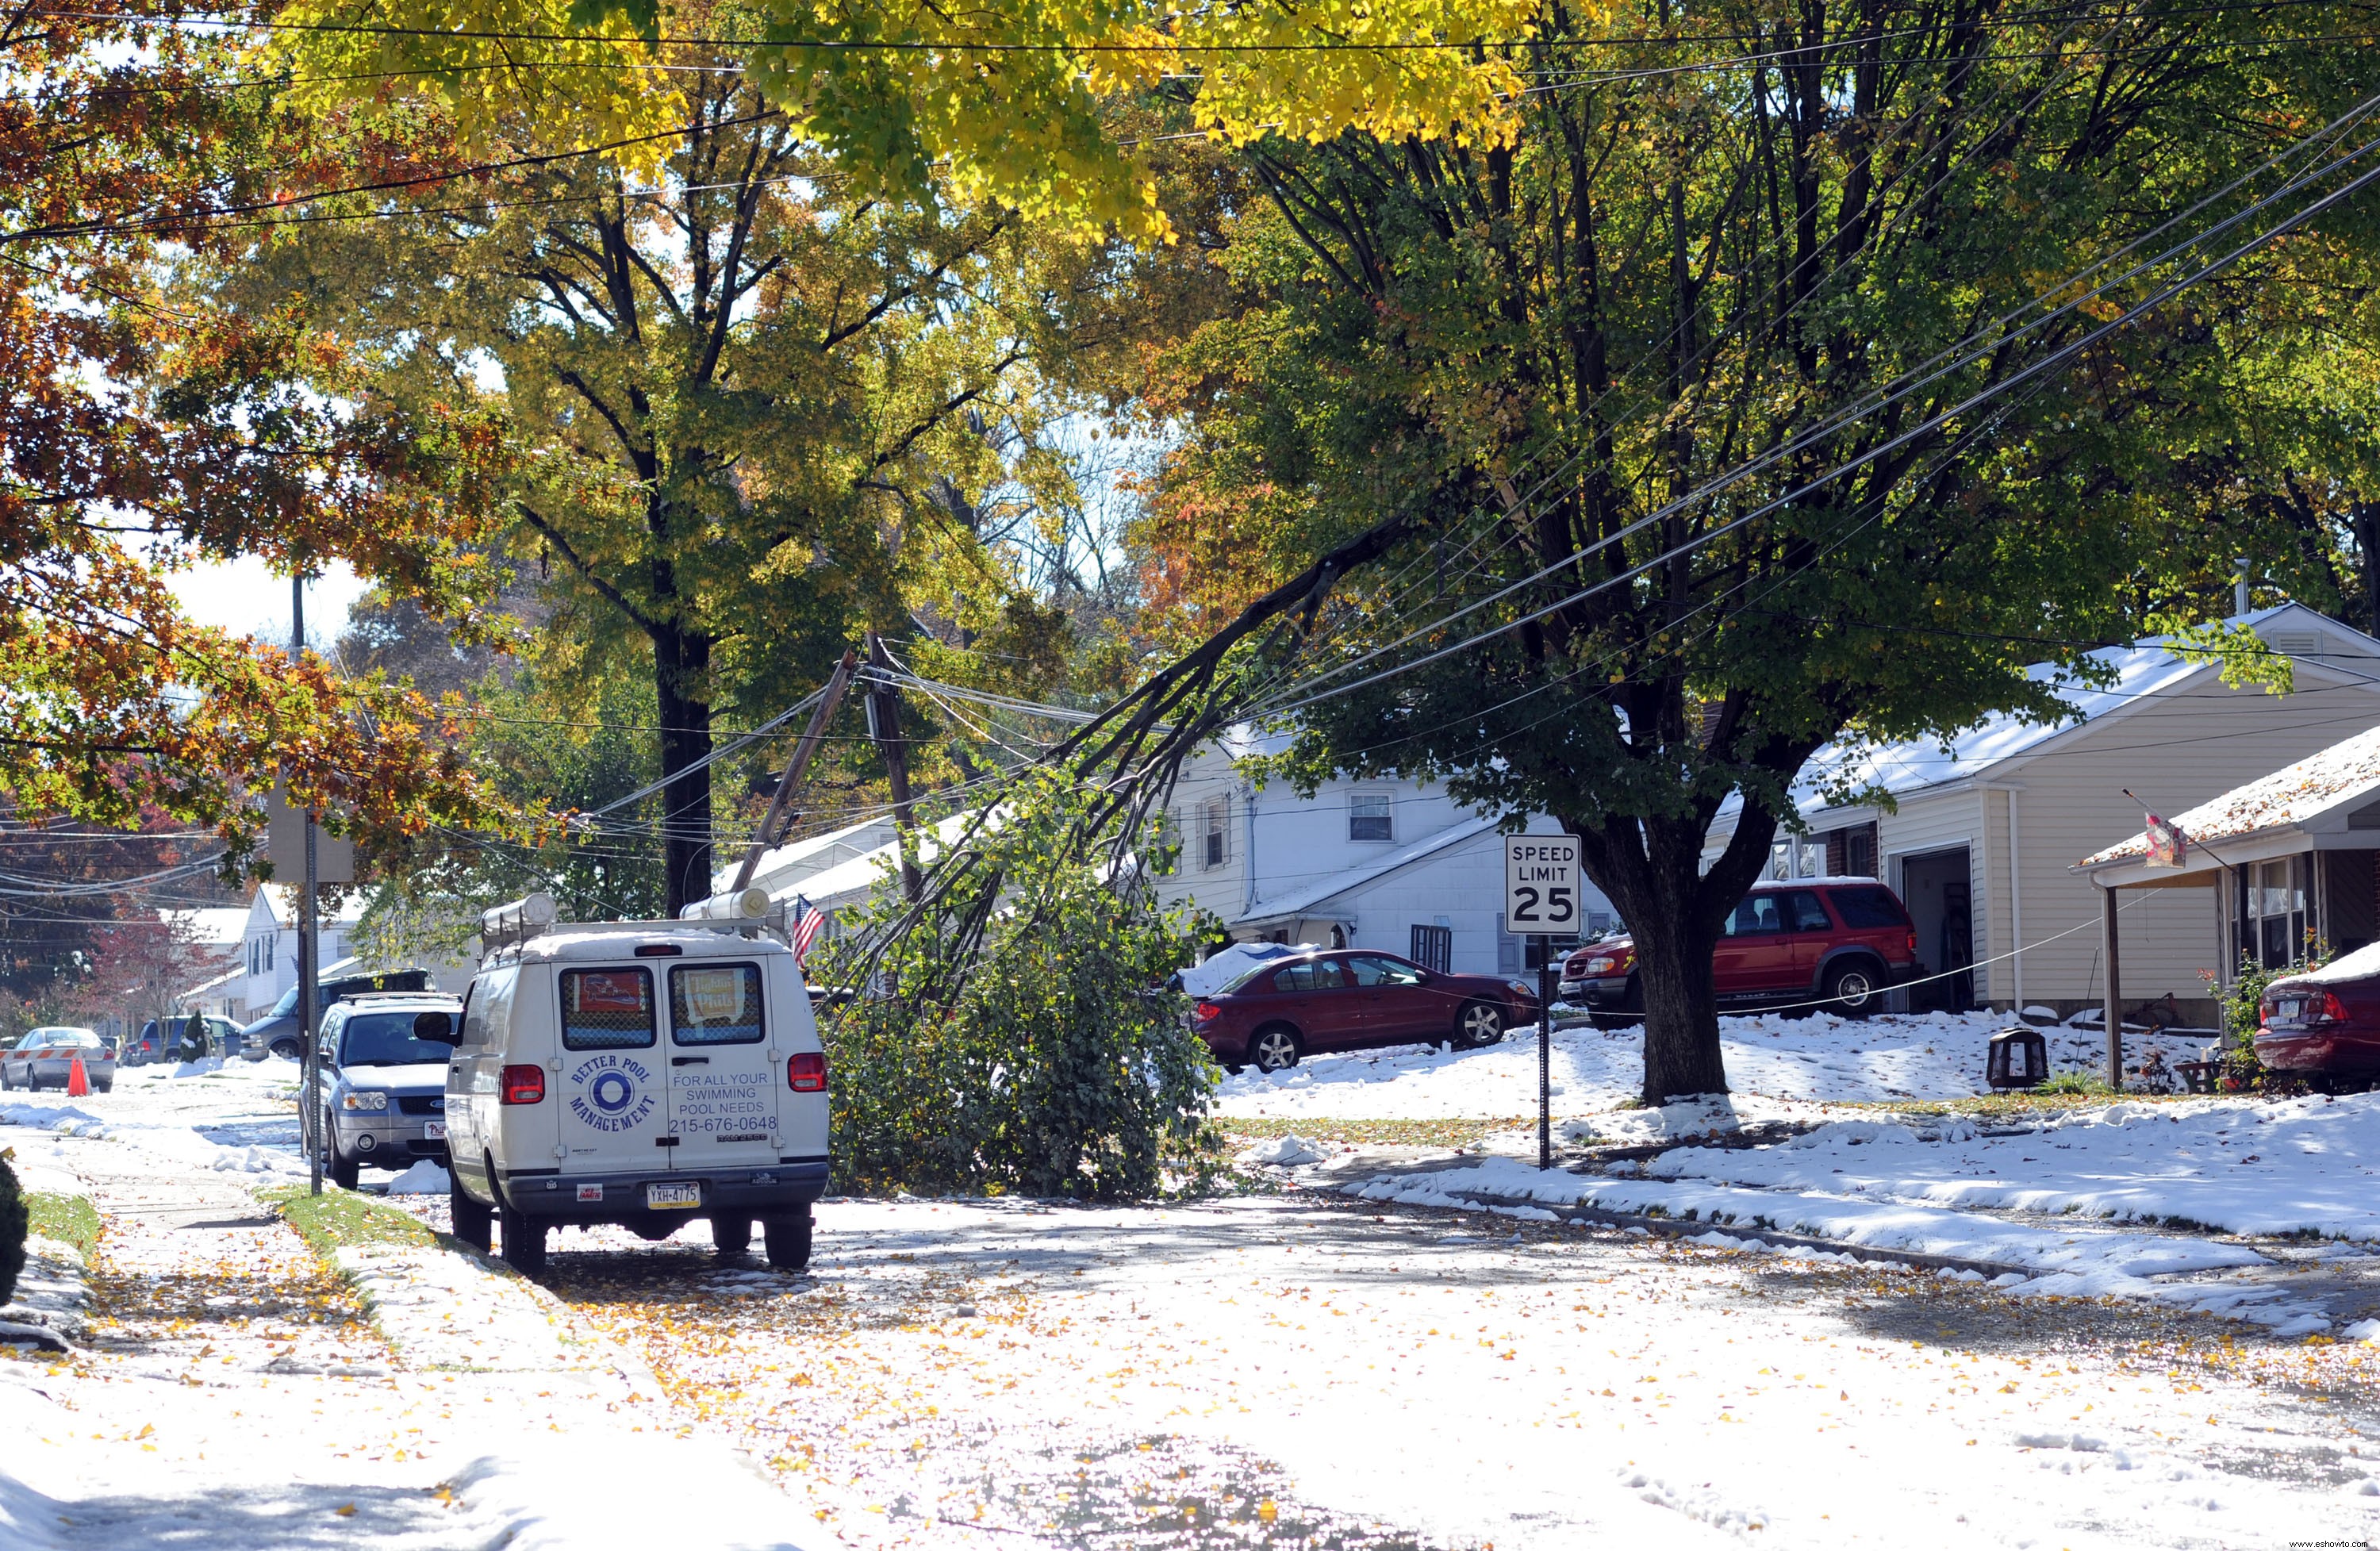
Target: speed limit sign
[[1541, 885]]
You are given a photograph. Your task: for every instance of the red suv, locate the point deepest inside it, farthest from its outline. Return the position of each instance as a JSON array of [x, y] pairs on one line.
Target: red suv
[[1348, 999], [1841, 939]]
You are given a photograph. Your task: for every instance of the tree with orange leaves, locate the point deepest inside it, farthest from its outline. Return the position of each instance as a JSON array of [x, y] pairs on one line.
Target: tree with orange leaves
[[139, 437]]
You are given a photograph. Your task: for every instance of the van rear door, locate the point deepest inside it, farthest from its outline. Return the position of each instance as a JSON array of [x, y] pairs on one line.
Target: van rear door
[[722, 1076], [615, 1090]]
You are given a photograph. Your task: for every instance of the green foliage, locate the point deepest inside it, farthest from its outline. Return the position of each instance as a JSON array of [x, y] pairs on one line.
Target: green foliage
[[1542, 374], [337, 1218], [70, 1219], [14, 1222], [1023, 1043], [2075, 1084]]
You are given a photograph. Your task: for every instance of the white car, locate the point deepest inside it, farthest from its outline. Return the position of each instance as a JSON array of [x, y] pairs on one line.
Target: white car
[[638, 1072], [45, 1057]]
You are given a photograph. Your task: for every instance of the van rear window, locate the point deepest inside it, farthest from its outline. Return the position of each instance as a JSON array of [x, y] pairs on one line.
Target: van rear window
[[607, 1009], [1862, 908], [715, 1004]]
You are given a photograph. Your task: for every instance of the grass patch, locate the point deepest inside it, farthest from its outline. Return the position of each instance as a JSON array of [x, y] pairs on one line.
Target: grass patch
[[338, 1219], [70, 1219], [2019, 1105], [1460, 1132]]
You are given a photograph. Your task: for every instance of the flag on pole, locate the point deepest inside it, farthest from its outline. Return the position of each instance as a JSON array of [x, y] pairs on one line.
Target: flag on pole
[[808, 921], [2168, 847]]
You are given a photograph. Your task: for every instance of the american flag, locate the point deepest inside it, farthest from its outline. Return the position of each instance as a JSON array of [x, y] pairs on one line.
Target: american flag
[[808, 921]]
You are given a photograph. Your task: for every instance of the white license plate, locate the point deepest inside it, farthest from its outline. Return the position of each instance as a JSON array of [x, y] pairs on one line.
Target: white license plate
[[435, 1131], [673, 1195]]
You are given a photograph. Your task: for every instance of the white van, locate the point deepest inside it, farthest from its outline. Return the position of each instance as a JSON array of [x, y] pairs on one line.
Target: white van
[[638, 1072]]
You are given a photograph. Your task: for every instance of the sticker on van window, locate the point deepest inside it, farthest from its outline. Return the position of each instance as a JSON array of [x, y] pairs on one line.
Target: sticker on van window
[[595, 990], [713, 996], [611, 1092]]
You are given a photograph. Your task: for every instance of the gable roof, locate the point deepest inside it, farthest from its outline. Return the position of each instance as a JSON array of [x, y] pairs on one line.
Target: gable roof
[[2347, 772], [2146, 669], [1333, 884]]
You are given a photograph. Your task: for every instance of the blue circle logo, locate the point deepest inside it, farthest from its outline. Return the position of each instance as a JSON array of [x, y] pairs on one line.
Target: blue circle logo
[[611, 1092]]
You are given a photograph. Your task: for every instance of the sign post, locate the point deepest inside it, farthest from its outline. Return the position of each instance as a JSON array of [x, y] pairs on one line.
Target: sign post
[[1541, 887]]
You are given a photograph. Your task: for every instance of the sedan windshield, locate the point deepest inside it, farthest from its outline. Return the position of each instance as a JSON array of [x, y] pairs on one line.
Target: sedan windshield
[[386, 1040]]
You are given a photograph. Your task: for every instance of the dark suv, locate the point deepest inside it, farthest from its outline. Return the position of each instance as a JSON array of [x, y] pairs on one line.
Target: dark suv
[[277, 1033], [1839, 940], [1349, 997]]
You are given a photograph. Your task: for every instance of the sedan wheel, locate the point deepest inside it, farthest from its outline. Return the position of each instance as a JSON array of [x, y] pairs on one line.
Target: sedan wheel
[[1479, 1024], [1273, 1049]]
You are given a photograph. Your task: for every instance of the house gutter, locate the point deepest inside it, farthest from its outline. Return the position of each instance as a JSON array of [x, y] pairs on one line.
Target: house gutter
[[1249, 807], [2016, 895]]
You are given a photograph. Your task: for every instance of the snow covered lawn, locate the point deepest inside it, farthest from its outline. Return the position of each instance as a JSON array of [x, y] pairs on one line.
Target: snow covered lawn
[[1819, 1058], [2239, 1166]]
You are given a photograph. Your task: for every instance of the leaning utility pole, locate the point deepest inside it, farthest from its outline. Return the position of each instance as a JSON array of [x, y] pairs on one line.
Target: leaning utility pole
[[777, 820]]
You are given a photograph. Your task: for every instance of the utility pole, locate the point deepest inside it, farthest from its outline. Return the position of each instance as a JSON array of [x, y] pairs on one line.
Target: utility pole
[[310, 1067], [777, 820], [884, 728]]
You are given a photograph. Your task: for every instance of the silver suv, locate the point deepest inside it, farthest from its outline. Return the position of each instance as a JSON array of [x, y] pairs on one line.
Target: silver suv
[[384, 1084]]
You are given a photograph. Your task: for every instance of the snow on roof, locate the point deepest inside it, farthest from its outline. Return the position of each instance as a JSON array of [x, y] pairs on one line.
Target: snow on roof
[[2363, 962], [217, 927], [848, 881], [2144, 669], [2292, 794], [282, 898], [852, 840], [1338, 883], [202, 988]]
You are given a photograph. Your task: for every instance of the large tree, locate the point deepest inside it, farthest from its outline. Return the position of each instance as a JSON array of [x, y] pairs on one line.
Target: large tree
[[1760, 395]]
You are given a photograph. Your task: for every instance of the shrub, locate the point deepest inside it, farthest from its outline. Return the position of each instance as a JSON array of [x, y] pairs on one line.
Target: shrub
[[1017, 1037], [15, 1223], [2082, 1084]]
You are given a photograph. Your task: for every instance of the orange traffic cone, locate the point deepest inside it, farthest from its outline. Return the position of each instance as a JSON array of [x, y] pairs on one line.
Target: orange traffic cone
[[77, 1080]]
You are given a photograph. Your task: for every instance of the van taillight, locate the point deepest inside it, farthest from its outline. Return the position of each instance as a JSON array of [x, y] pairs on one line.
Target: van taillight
[[1912, 942], [807, 1074], [524, 1085]]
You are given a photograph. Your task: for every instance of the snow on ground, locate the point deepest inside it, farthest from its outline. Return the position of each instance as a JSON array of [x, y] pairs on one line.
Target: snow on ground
[[234, 1117], [2076, 1261], [2239, 1166], [1820, 1058], [1054, 1376], [423, 1177]]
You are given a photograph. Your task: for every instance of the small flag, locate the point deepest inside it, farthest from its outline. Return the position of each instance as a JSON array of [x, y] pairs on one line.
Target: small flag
[[808, 919], [2168, 847]]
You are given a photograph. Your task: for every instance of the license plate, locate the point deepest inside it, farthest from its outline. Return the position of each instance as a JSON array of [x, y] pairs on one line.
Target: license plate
[[435, 1131], [673, 1195], [2290, 1008]]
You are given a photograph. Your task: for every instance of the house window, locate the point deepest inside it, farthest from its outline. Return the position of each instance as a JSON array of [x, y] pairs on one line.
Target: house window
[[1214, 832], [1433, 947], [1367, 817], [2276, 925]]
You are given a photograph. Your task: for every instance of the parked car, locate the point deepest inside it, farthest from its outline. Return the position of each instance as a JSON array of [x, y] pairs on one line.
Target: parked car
[[2325, 1023], [1842, 941], [641, 1073], [277, 1033], [156, 1038], [44, 1058], [384, 1081], [1348, 999]]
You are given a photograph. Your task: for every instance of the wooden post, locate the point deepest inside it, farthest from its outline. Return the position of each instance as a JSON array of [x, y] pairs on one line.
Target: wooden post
[[2114, 994], [885, 725], [766, 836]]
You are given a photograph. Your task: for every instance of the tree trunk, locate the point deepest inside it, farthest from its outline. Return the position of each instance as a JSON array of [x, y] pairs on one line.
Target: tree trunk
[[682, 675], [1652, 869]]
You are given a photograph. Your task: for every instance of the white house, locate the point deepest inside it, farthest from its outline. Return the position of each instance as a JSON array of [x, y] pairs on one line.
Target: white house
[[1391, 864], [216, 936], [268, 965], [1980, 837]]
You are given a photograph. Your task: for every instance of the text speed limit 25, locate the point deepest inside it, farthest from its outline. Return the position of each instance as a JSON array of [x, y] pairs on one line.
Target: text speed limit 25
[[1541, 885]]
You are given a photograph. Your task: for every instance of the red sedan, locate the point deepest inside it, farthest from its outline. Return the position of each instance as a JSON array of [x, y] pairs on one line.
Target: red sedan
[[2325, 1023], [1348, 1000]]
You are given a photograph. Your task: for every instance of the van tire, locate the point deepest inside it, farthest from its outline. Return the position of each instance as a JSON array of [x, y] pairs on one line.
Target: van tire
[[731, 1235], [472, 1220], [788, 1240], [524, 1241]]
